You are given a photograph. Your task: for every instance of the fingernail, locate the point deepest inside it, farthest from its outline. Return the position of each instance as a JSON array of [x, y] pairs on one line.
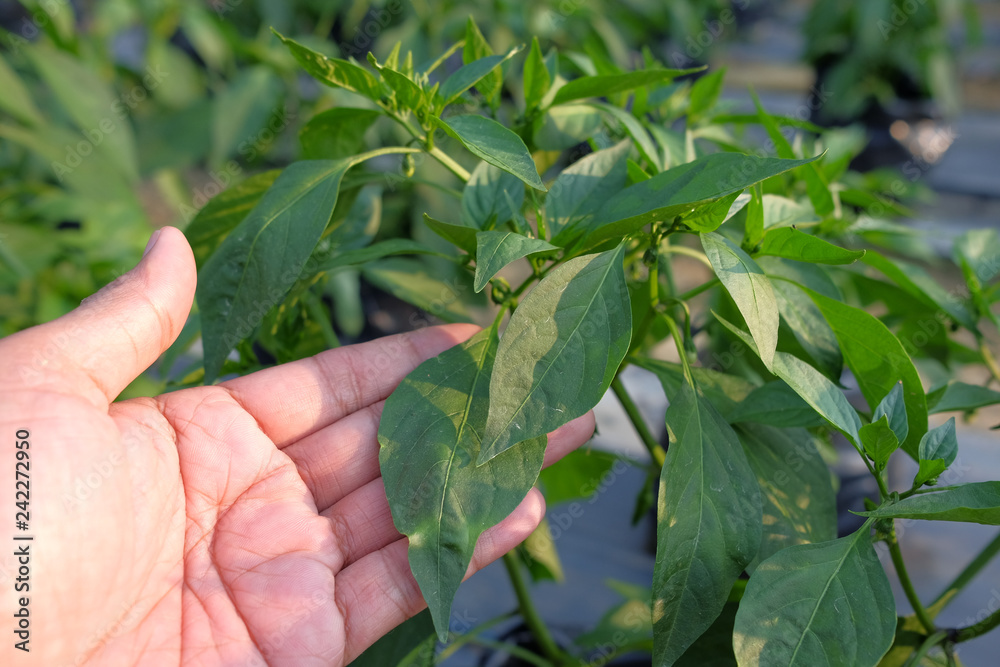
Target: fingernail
[[151, 242]]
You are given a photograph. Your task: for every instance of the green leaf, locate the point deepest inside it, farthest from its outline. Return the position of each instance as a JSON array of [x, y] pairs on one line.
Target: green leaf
[[461, 235], [469, 75], [725, 392], [495, 250], [409, 96], [749, 288], [410, 644], [334, 72], [387, 248], [223, 212], [783, 212], [15, 99], [634, 129], [978, 502], [957, 395], [714, 214], [824, 396], [359, 225], [560, 351], [715, 646], [582, 187], [240, 112], [440, 499], [486, 197], [476, 47], [491, 141], [704, 94], [679, 190], [336, 133], [878, 361], [708, 524], [893, 407], [923, 286], [626, 625], [603, 85], [254, 267], [536, 76], [938, 449], [578, 475], [807, 325], [775, 404], [540, 556], [97, 112], [879, 441], [817, 604], [415, 283], [790, 243], [563, 127], [797, 497]]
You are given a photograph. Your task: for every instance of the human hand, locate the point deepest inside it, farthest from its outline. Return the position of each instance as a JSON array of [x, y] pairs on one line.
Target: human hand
[[238, 524]]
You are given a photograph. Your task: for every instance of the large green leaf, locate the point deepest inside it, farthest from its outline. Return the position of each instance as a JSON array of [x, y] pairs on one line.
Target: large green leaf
[[334, 72], [749, 288], [679, 190], [708, 524], [797, 497], [440, 499], [336, 133], [603, 85], [487, 197], [726, 393], [956, 395], [387, 248], [817, 604], [790, 243], [819, 392], [560, 351], [878, 361], [224, 211], [97, 112], [582, 188], [257, 263], [775, 404], [496, 250], [978, 502], [491, 141]]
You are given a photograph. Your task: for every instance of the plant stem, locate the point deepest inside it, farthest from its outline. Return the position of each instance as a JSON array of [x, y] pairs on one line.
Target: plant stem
[[470, 636], [929, 643], [513, 649], [979, 629], [989, 359], [529, 613], [679, 342], [964, 577], [450, 164], [647, 437], [699, 289], [904, 580]]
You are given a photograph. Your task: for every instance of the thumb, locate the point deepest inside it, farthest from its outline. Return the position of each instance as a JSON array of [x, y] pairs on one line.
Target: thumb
[[114, 335]]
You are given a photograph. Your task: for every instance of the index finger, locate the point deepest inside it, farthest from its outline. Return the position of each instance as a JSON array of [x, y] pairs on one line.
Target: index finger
[[299, 398]]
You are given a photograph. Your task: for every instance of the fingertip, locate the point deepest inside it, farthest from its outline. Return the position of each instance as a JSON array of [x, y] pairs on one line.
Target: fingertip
[[568, 437]]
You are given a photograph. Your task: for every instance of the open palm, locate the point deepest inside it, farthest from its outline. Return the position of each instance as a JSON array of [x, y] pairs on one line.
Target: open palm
[[240, 524]]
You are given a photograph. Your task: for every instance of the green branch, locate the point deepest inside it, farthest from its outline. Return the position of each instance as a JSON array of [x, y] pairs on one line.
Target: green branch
[[530, 613], [904, 580], [647, 437], [964, 577]]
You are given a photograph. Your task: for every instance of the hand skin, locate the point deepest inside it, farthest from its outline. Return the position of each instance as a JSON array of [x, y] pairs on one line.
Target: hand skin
[[238, 524]]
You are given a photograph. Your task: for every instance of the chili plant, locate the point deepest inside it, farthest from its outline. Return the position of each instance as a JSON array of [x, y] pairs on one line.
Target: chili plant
[[597, 184]]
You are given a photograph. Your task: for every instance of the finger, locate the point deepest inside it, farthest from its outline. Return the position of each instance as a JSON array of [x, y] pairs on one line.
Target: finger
[[378, 592], [361, 524], [343, 457], [296, 399], [100, 347]]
